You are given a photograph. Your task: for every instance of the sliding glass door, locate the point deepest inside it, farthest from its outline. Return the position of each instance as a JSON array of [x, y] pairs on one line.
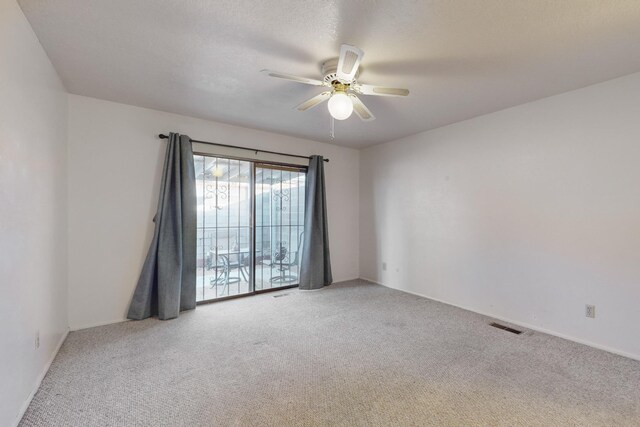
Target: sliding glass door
[[250, 220], [279, 225], [224, 228]]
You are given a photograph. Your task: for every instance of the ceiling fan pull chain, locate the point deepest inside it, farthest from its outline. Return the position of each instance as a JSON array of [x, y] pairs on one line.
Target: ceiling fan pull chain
[[332, 131]]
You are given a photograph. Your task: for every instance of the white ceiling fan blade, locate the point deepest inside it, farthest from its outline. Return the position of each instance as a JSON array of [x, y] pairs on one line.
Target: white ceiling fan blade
[[380, 91], [293, 78], [360, 109], [310, 103], [348, 63]]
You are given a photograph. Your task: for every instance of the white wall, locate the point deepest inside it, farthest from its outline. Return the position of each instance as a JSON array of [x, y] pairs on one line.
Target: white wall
[[115, 162], [526, 214], [33, 289]]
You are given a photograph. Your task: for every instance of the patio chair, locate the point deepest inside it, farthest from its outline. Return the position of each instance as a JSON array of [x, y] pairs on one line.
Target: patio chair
[[222, 269], [240, 261], [283, 260]]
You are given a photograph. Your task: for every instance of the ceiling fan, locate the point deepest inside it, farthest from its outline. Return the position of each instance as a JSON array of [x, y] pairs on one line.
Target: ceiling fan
[[340, 75]]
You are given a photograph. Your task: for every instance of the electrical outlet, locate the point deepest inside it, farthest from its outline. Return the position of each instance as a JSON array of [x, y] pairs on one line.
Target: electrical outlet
[[37, 339], [384, 266], [590, 311]]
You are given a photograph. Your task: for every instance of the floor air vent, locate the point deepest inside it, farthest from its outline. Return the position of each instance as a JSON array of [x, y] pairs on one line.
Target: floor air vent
[[280, 295], [505, 328]]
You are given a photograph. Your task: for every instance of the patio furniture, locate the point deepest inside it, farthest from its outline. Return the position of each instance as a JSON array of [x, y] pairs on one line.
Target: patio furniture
[[283, 260], [222, 269], [240, 259]]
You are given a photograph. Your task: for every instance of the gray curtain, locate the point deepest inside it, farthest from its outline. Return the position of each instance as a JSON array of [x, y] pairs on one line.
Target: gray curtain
[[315, 268], [167, 284]]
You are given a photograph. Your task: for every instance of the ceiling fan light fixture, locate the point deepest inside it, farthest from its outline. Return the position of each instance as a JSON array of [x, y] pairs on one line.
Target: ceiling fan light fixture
[[340, 105]]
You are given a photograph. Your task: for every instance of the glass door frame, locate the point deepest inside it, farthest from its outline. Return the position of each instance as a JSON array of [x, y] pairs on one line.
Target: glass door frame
[[252, 222]]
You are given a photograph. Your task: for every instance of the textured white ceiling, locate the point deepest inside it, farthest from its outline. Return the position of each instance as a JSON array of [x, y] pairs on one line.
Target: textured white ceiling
[[459, 58]]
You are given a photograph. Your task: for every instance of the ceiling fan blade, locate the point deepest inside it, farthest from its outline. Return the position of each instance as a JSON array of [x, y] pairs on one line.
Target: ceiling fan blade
[[310, 103], [380, 91], [293, 78], [361, 110], [348, 63]]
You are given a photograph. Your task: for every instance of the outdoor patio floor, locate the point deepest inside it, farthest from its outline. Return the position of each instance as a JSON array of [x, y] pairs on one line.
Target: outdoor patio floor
[[267, 277]]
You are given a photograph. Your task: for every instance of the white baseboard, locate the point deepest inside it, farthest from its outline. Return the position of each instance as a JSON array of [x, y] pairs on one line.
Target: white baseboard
[[518, 323], [27, 402], [93, 325]]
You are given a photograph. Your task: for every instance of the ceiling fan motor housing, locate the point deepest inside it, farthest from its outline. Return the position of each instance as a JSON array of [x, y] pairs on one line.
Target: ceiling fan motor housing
[[329, 71]]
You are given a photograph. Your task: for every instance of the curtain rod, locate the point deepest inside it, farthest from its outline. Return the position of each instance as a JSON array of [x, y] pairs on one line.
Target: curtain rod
[[163, 136]]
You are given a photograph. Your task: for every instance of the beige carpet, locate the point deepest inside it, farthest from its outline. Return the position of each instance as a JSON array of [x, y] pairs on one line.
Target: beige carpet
[[352, 354]]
